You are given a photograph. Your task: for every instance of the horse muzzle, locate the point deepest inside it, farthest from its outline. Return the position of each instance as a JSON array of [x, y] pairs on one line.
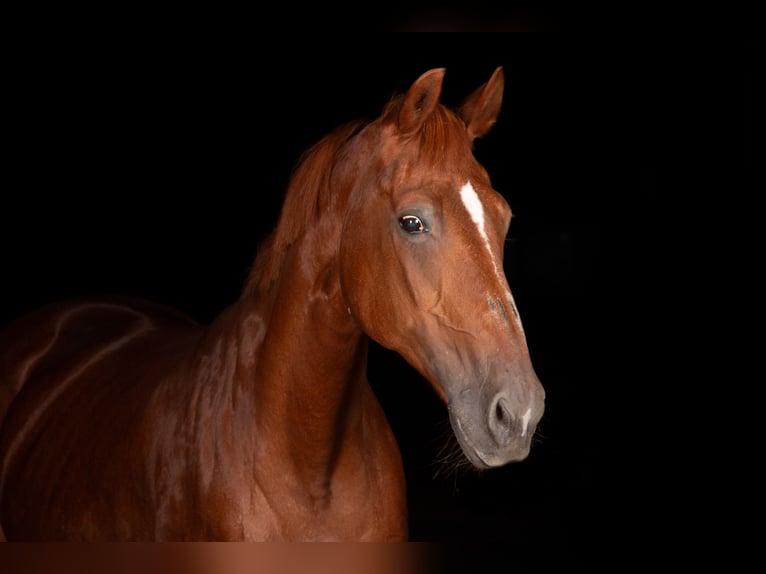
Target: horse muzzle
[[498, 429]]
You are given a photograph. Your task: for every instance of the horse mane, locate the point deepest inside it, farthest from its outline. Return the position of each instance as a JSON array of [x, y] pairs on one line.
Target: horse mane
[[308, 195], [309, 192]]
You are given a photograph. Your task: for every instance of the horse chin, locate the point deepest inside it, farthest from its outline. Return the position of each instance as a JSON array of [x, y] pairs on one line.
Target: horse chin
[[482, 457]]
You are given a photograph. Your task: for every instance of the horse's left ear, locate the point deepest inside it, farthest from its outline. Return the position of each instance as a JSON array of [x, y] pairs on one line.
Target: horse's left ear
[[479, 110], [420, 101]]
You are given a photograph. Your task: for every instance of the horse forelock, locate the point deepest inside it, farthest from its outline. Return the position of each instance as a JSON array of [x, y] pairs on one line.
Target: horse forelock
[[442, 139]]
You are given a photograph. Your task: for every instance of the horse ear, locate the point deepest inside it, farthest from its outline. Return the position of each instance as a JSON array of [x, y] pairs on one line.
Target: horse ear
[[420, 101], [479, 110]]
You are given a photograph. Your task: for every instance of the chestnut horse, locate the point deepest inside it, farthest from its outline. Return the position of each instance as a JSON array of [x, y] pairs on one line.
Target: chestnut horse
[[126, 420]]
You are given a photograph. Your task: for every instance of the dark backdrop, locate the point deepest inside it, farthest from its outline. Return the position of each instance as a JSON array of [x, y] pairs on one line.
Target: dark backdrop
[[157, 174]]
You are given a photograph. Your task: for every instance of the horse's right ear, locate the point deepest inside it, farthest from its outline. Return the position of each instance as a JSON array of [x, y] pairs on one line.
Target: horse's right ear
[[480, 109], [420, 101]]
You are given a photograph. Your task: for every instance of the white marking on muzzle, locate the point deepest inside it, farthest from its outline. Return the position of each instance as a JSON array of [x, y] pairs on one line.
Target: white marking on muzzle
[[525, 420]]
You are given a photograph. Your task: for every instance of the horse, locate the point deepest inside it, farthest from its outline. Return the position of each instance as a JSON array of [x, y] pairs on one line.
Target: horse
[[127, 420]]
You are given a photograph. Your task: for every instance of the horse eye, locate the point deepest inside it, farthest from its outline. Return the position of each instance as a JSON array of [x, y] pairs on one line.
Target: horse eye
[[412, 224]]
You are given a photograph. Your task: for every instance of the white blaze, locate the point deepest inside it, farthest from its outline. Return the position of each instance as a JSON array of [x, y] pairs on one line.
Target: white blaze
[[476, 211]]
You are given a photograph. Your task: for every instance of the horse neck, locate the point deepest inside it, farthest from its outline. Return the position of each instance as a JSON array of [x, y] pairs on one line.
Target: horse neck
[[304, 359]]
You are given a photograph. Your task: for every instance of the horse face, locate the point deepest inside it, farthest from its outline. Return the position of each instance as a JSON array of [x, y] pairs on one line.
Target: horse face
[[431, 286], [422, 272]]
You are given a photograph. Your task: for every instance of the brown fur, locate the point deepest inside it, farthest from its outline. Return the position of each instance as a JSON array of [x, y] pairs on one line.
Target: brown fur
[[125, 420]]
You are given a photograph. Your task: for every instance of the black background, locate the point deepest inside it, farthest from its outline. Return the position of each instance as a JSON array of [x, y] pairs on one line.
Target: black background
[[156, 172]]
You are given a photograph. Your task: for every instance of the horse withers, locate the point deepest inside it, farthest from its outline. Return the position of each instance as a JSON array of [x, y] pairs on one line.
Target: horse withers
[[127, 420]]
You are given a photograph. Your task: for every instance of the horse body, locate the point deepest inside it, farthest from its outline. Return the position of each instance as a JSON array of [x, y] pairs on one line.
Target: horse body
[[182, 457], [125, 420]]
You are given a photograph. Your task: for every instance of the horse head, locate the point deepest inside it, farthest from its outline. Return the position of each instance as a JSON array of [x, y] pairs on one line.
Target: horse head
[[421, 263]]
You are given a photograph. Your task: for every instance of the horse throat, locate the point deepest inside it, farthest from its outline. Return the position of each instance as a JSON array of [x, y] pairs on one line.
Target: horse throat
[[310, 372]]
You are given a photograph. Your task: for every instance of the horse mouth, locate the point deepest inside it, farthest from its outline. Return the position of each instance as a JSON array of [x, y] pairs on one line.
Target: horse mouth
[[479, 457]]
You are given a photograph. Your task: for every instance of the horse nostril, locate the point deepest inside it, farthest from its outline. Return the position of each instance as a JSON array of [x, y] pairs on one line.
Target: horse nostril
[[499, 411], [500, 420]]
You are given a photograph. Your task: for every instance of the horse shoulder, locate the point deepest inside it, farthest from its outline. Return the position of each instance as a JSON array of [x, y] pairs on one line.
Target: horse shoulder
[[383, 463], [370, 484]]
